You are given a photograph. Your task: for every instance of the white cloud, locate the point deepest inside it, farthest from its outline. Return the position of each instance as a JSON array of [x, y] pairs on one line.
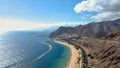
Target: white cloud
[[105, 16], [11, 24], [86, 5], [106, 9]]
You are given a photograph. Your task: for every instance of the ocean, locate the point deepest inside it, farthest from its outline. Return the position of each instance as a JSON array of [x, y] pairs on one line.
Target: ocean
[[27, 49]]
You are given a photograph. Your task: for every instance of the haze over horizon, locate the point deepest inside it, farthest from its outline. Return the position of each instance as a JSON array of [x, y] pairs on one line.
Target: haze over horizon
[[32, 14]]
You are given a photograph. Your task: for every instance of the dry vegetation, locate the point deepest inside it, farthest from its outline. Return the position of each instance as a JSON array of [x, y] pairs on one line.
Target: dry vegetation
[[101, 53]]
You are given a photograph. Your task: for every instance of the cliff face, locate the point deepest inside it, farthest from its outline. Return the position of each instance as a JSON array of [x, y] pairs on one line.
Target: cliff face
[[94, 30]]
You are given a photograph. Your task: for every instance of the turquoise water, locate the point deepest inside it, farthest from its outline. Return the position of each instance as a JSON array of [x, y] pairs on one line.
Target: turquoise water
[[31, 50]]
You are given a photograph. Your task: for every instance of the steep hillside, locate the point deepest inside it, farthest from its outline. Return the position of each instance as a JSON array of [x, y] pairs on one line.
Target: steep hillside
[[94, 29], [114, 35], [102, 53], [64, 32]]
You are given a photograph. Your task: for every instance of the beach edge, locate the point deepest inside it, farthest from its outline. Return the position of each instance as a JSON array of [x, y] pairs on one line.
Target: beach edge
[[75, 55]]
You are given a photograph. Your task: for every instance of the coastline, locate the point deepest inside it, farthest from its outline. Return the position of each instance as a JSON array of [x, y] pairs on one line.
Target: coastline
[[75, 58]]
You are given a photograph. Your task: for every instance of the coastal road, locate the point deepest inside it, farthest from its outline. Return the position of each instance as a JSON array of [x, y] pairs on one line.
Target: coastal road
[[84, 56]]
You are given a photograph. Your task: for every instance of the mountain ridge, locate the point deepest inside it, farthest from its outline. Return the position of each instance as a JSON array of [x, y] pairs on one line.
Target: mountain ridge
[[100, 41], [94, 30]]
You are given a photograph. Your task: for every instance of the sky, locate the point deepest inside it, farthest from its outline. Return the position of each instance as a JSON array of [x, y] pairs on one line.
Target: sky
[[31, 14]]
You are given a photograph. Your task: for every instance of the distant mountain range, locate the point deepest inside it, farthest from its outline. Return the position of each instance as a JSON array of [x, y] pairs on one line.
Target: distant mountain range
[[93, 30]]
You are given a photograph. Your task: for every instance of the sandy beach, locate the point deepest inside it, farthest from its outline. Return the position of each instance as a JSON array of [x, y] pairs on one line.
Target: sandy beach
[[75, 56]]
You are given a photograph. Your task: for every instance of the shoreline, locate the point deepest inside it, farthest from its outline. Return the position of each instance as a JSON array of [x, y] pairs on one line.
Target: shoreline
[[75, 56]]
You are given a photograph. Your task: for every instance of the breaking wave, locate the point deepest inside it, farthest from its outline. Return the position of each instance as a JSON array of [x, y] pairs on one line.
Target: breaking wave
[[50, 48]]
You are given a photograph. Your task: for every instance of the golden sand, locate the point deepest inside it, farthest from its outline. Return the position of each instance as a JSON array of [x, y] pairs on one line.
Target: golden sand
[[75, 56]]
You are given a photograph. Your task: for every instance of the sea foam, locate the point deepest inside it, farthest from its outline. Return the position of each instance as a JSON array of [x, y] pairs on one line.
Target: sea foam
[[46, 52]]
